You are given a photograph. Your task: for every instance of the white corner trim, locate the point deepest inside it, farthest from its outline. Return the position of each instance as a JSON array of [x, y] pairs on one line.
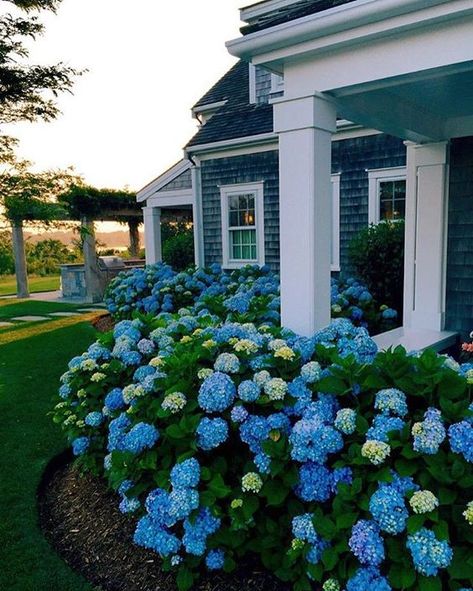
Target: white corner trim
[[376, 175], [162, 180], [335, 258], [252, 84], [227, 191]]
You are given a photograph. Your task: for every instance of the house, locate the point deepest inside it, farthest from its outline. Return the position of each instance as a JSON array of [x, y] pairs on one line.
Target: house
[[338, 113]]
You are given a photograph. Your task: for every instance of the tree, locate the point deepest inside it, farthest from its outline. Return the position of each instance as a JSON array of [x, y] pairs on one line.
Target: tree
[[31, 196], [27, 91]]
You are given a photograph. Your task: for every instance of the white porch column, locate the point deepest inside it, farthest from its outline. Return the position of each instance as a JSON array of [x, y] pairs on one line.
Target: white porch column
[[426, 235], [153, 249], [305, 127], [197, 217]]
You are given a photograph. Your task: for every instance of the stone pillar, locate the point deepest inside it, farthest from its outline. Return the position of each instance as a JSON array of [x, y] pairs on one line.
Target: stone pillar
[[92, 274], [426, 235], [19, 254], [197, 220], [305, 127], [153, 248]]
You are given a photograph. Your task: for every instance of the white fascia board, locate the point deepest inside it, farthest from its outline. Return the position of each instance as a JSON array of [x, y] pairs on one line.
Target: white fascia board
[[208, 107], [161, 181], [262, 138], [336, 20], [171, 199]]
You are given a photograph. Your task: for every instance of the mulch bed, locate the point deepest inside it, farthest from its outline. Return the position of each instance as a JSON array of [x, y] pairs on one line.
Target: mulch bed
[[80, 518], [103, 323]]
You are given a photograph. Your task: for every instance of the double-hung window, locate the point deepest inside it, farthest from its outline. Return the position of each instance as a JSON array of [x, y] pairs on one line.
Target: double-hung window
[[242, 224], [387, 194]]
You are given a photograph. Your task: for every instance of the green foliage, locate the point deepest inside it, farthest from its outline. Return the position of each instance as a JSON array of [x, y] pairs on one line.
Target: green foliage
[[260, 522], [44, 257], [377, 255], [7, 263], [86, 201], [178, 250]]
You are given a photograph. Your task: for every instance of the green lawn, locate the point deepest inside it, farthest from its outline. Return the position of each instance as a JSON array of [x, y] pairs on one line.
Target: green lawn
[[31, 361], [49, 283]]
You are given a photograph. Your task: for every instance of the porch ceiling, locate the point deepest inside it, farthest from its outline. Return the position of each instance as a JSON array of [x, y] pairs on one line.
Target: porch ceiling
[[433, 105]]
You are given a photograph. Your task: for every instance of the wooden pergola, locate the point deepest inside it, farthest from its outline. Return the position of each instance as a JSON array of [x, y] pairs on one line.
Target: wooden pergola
[[86, 205]]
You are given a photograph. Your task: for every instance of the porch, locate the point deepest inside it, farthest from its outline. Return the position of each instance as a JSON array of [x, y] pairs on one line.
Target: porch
[[404, 67]]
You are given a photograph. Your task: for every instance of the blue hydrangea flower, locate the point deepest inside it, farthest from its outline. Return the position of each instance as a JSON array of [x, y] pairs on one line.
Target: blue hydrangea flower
[[345, 421], [310, 372], [315, 482], [249, 391], [366, 543], [114, 399], [182, 501], [303, 528], [227, 363], [313, 441], [239, 414], [142, 436], [461, 439], [263, 463], [155, 537], [388, 508], [211, 433], [253, 431], [217, 392], [430, 433], [65, 391], [197, 532], [428, 553], [391, 401], [341, 475], [215, 559], [93, 419], [186, 474], [80, 445], [382, 426], [368, 579]]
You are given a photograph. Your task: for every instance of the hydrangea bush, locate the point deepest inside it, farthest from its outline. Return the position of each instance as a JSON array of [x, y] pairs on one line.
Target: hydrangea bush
[[339, 467], [245, 295]]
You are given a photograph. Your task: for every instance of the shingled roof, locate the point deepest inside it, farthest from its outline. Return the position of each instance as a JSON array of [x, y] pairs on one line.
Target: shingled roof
[[290, 13], [237, 118]]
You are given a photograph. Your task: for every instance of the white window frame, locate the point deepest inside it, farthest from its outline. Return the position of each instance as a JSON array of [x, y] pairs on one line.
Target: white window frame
[[375, 177], [335, 251], [227, 191]]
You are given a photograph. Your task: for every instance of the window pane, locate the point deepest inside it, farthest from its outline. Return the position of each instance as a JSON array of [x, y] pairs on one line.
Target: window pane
[[400, 189], [233, 218], [236, 252], [246, 252], [386, 210], [399, 212], [233, 203], [386, 190], [246, 236], [253, 253]]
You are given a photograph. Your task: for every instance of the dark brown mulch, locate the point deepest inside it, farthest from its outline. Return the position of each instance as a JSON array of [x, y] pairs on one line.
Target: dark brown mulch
[[103, 323], [81, 520]]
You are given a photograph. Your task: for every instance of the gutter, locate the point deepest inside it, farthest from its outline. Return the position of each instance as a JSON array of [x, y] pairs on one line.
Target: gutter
[[321, 24]]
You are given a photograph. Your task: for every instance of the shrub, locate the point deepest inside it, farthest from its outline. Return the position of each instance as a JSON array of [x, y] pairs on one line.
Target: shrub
[[44, 257], [377, 255], [330, 463], [7, 263], [178, 250], [245, 295]]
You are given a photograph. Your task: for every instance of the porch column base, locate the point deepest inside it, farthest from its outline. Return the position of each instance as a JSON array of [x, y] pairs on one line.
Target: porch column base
[[426, 235], [152, 222], [305, 127]]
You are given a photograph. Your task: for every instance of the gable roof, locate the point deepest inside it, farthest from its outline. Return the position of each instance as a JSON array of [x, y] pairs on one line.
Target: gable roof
[[230, 84], [290, 13], [163, 179], [237, 117]]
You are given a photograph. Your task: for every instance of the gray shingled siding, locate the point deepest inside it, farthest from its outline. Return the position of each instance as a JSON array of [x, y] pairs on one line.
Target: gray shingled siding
[[262, 85], [183, 181], [353, 157], [234, 170], [459, 303]]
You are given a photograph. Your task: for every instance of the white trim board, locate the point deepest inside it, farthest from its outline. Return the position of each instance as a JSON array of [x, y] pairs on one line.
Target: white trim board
[[162, 180], [171, 199]]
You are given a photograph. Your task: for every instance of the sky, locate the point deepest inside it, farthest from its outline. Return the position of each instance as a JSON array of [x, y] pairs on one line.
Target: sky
[[148, 62]]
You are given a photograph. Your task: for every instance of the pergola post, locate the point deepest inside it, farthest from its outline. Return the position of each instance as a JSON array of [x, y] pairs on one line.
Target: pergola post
[[92, 276], [426, 235], [19, 254], [153, 248], [133, 230], [305, 127]]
